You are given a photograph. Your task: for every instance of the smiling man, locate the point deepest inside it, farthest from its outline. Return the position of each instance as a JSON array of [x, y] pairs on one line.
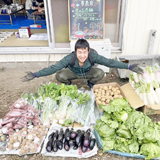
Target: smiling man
[[79, 65]]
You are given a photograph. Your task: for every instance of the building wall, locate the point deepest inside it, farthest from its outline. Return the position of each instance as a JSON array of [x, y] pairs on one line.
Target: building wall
[[141, 17]]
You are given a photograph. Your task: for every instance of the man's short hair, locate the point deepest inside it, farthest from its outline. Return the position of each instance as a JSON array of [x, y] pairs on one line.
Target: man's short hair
[[82, 43]]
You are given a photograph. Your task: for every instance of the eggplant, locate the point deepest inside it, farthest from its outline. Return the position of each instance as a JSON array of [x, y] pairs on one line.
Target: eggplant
[[75, 146], [66, 145], [92, 143], [59, 144], [51, 136], [49, 146], [68, 135], [55, 147], [61, 135], [84, 149], [80, 138], [55, 136], [86, 141], [72, 143], [65, 133], [73, 134]]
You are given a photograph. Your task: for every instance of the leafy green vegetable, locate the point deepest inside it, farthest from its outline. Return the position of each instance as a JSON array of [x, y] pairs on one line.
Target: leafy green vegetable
[[83, 98], [123, 129], [67, 122], [150, 150]]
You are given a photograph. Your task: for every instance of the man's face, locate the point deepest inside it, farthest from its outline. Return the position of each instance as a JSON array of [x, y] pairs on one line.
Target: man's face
[[82, 54]]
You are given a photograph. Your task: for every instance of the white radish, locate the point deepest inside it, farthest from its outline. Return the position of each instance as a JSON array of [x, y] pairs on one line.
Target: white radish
[[150, 98], [156, 100], [158, 93], [145, 98], [135, 75], [141, 96], [140, 77], [137, 91], [152, 76]]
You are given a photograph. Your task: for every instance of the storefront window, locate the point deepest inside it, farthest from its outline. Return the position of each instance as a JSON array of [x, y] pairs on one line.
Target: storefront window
[[113, 16]]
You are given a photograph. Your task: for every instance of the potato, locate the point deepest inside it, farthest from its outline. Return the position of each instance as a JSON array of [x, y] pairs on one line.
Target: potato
[[103, 99]]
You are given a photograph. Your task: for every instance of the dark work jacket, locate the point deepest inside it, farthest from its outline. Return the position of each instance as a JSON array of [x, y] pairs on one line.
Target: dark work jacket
[[67, 60]]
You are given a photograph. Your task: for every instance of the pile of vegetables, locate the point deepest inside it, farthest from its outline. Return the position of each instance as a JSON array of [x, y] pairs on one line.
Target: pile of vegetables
[[28, 139], [62, 104], [20, 115], [70, 139], [124, 129], [103, 94], [147, 85]]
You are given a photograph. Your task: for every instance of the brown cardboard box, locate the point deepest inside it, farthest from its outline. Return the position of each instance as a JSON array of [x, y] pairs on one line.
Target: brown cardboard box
[[137, 103], [114, 84]]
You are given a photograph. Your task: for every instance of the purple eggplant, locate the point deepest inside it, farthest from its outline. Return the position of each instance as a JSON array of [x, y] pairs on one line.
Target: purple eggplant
[[59, 144], [92, 143], [51, 136], [66, 146], [49, 146], [73, 134], [61, 135], [72, 143], [68, 135], [65, 133], [80, 138], [55, 147], [55, 136], [86, 141], [84, 149], [75, 147]]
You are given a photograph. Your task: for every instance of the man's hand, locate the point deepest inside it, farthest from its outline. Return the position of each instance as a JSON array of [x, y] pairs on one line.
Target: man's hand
[[135, 68], [28, 77]]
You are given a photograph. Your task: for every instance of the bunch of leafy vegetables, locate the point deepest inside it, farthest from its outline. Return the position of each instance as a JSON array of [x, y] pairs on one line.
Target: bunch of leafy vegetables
[[55, 91], [124, 129]]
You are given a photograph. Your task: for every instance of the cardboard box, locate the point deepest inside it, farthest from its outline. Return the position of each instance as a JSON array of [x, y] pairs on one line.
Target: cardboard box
[[137, 103], [114, 84], [24, 32], [134, 100]]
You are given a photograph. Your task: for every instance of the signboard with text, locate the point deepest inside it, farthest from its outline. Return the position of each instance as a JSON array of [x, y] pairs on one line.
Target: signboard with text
[[86, 19]]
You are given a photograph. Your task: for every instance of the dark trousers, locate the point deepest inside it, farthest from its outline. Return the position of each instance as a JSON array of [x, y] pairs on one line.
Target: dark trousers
[[66, 75]]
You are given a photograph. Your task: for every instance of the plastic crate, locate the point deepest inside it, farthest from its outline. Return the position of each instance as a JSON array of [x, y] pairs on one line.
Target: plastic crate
[[142, 60]]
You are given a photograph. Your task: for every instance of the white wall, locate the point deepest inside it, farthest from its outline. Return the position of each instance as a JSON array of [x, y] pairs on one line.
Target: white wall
[[141, 17]]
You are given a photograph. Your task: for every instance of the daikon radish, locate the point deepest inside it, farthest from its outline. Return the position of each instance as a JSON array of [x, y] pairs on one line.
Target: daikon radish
[[145, 98], [156, 100], [141, 96], [157, 76], [140, 77], [158, 93], [146, 77], [135, 75], [149, 94], [150, 98], [156, 86]]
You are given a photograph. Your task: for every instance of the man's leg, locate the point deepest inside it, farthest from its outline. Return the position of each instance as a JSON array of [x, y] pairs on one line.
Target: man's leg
[[95, 75], [65, 76]]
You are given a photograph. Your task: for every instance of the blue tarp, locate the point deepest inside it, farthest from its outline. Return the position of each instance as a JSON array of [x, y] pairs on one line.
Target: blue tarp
[[18, 21]]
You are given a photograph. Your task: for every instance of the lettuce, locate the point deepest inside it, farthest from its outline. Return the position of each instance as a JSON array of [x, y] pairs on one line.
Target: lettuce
[[150, 150]]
